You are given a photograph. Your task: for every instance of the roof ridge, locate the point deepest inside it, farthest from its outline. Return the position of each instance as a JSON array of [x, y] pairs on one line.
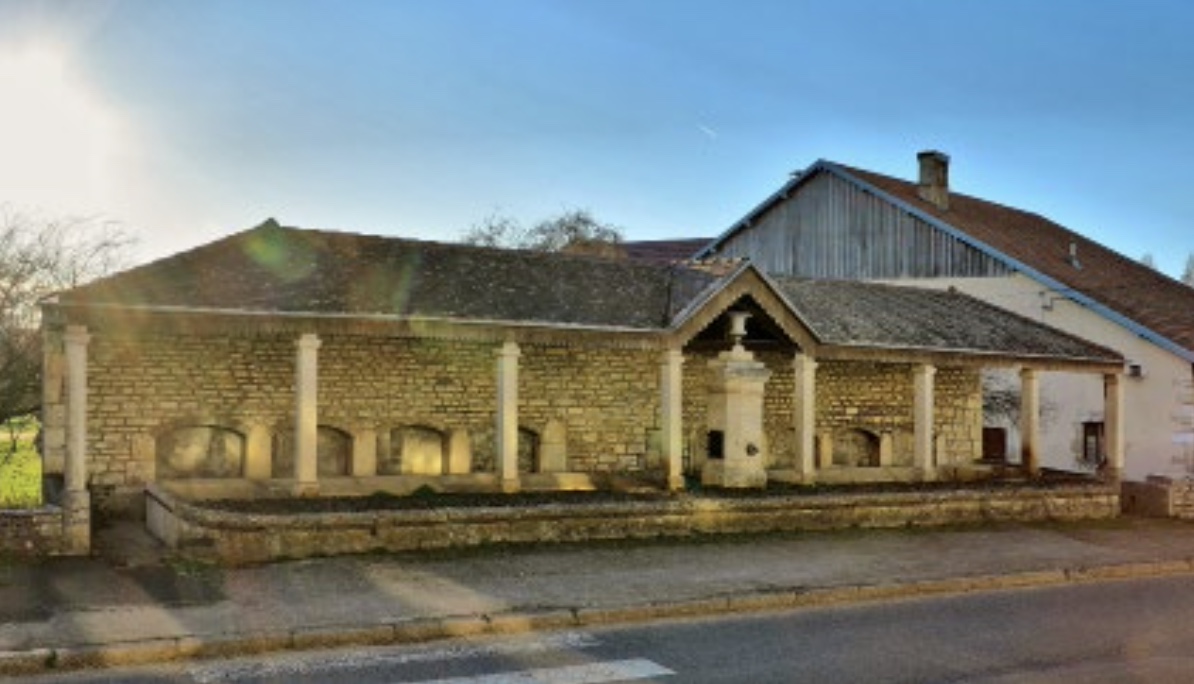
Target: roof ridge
[[463, 246]]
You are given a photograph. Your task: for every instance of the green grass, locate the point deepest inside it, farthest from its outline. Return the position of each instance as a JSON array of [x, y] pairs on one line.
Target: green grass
[[20, 471]]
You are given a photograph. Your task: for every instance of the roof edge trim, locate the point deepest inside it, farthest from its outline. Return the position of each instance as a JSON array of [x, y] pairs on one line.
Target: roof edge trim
[[247, 313]]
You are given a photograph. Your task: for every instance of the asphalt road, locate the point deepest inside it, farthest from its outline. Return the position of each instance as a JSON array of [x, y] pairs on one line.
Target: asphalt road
[[1108, 632]]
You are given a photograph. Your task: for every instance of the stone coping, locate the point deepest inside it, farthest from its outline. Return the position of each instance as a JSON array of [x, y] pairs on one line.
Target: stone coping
[[236, 537]]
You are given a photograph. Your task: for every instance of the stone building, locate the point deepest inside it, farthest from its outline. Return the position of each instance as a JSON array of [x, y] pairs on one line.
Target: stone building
[[279, 362], [833, 221]]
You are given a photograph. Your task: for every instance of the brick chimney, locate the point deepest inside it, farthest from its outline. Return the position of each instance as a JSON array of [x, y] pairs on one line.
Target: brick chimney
[[934, 178]]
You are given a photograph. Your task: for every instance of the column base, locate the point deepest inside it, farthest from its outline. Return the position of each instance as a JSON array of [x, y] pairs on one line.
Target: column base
[[923, 474], [511, 486], [76, 523], [717, 473], [305, 489], [676, 483], [791, 476]]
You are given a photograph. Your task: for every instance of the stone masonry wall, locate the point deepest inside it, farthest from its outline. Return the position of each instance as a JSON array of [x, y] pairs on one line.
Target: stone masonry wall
[[873, 396], [139, 387], [878, 397], [958, 418], [36, 532], [381, 384], [607, 400]]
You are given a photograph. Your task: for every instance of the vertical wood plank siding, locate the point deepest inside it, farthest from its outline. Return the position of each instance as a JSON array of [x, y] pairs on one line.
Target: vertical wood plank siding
[[831, 229]]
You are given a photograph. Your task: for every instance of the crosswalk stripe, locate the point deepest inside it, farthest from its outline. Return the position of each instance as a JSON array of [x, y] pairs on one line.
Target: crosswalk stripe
[[591, 673]]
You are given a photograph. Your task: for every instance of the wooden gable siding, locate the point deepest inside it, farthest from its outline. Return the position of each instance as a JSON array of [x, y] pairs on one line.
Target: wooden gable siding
[[829, 228]]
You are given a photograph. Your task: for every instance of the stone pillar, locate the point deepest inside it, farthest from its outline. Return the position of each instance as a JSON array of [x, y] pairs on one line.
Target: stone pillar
[[804, 409], [886, 449], [553, 448], [53, 402], [1113, 423], [258, 465], [306, 420], [507, 416], [735, 417], [76, 500], [922, 412], [671, 412], [460, 453], [1030, 420], [364, 453]]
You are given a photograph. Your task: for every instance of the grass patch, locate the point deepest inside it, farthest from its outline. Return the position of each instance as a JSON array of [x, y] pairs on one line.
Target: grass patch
[[20, 468]]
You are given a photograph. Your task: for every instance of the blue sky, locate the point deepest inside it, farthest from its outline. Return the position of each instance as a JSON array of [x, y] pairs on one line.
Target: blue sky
[[668, 118]]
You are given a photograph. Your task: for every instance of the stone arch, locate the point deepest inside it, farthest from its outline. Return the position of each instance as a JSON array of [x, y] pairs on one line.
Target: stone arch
[[856, 448], [199, 451], [333, 452], [414, 450]]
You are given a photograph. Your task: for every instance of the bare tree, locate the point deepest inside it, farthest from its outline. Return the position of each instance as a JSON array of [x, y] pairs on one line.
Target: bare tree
[[40, 256], [574, 230], [1148, 260], [1188, 273], [497, 230]]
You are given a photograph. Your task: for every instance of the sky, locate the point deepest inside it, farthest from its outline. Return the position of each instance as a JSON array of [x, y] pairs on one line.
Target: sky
[[186, 121]]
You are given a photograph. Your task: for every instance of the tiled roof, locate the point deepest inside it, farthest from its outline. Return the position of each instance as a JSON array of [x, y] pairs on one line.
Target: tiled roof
[[272, 269], [275, 269], [663, 251], [860, 314], [1131, 289]]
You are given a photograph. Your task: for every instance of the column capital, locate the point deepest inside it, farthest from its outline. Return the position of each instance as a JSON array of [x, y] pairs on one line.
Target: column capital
[[509, 349], [925, 369], [802, 360], [76, 335], [673, 356], [308, 341]]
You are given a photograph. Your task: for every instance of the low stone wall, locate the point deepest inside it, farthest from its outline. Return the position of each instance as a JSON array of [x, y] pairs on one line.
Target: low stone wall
[[1160, 497], [32, 532], [248, 538]]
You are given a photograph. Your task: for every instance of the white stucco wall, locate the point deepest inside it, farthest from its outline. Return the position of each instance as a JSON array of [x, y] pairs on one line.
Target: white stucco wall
[[1159, 407]]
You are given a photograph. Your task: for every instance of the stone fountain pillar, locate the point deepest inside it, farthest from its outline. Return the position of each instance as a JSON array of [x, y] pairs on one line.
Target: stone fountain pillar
[[735, 447]]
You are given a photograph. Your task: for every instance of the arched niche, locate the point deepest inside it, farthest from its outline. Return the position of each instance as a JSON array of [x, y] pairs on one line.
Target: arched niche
[[414, 450], [856, 448], [333, 453], [200, 451]]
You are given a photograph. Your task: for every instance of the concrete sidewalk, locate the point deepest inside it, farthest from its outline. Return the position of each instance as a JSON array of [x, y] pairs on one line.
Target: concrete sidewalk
[[132, 603]]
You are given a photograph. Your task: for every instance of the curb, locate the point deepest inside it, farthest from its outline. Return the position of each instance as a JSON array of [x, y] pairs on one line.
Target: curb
[[419, 630]]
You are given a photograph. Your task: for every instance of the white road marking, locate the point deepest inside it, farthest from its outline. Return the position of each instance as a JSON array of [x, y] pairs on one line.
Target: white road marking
[[592, 673], [296, 664]]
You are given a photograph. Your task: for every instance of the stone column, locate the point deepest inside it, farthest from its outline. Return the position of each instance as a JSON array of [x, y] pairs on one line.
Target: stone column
[[804, 411], [1030, 420], [507, 416], [76, 500], [922, 412], [306, 420], [671, 409], [1113, 423]]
